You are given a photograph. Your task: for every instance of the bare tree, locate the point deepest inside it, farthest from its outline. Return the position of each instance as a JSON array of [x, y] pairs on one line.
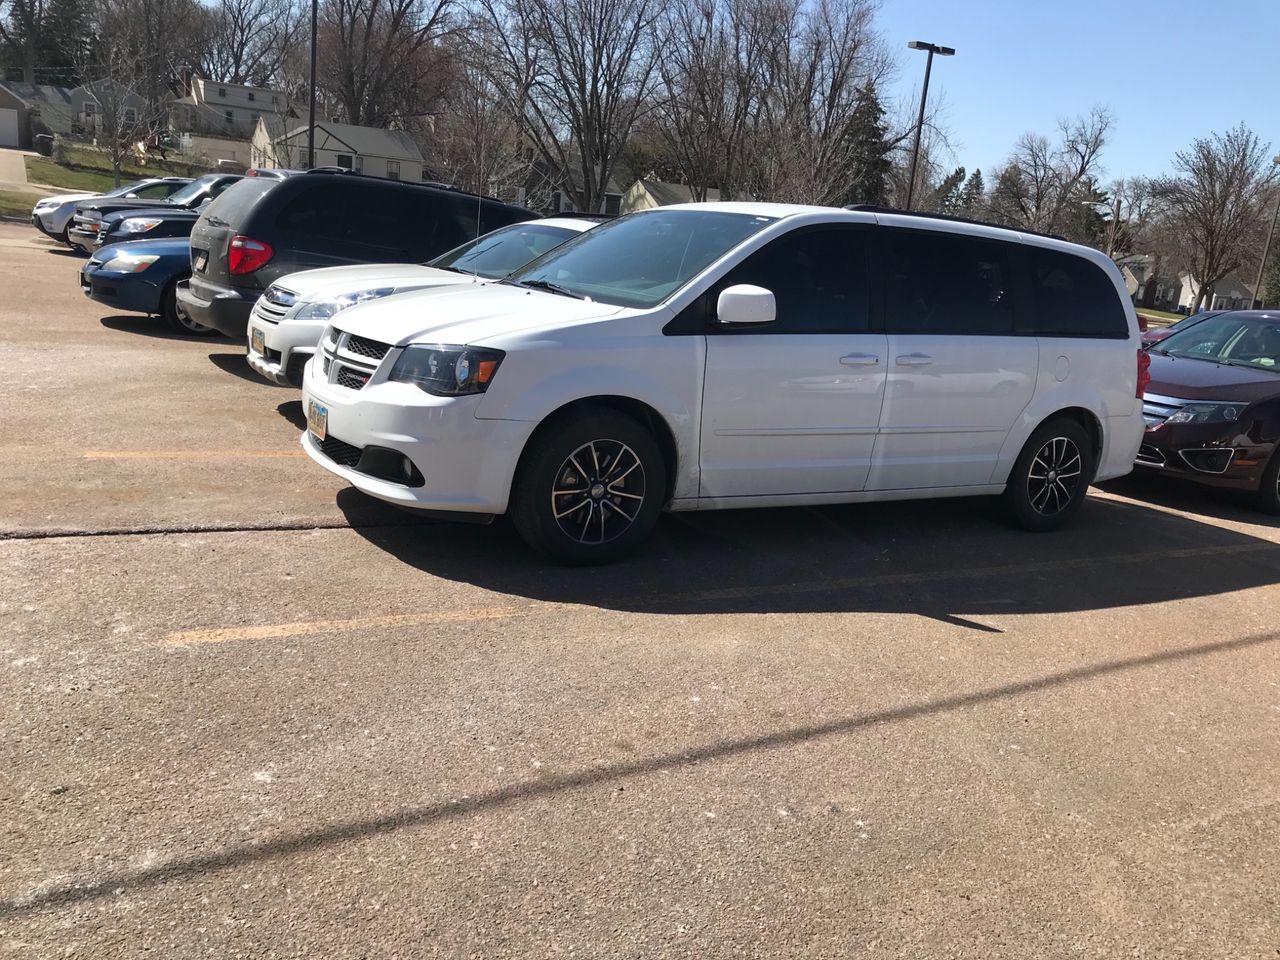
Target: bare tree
[[577, 73], [378, 58], [246, 40], [1214, 202], [22, 32]]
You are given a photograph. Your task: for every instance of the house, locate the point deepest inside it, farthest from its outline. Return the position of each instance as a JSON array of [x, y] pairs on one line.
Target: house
[[370, 150], [1154, 289], [30, 109], [229, 110], [551, 191], [647, 194]]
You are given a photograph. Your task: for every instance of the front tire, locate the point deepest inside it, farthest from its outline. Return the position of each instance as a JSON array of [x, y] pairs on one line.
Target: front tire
[[176, 318], [590, 488], [1051, 476]]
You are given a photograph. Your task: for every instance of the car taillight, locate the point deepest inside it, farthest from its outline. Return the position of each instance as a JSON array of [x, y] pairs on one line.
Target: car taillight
[[1144, 372], [246, 255]]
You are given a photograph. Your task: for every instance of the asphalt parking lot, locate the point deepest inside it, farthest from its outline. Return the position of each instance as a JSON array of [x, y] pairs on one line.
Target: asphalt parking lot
[[245, 712]]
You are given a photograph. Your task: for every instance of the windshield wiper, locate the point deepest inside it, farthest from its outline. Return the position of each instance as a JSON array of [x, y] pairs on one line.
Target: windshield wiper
[[217, 222], [1187, 355], [548, 286]]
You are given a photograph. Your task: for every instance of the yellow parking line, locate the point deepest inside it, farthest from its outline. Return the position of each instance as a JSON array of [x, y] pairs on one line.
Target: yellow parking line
[[188, 454], [188, 638]]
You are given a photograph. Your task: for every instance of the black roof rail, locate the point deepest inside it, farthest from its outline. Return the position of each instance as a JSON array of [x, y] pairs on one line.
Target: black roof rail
[[874, 208], [432, 184]]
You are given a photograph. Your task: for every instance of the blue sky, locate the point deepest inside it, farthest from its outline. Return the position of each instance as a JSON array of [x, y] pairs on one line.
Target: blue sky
[[1169, 70]]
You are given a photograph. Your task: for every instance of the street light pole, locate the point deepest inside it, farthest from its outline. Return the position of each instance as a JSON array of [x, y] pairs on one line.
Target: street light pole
[[1266, 247], [311, 115], [924, 96]]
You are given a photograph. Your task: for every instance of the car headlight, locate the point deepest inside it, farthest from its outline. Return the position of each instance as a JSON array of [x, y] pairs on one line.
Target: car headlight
[[446, 371], [1208, 413], [324, 309], [130, 262], [45, 204], [139, 224]]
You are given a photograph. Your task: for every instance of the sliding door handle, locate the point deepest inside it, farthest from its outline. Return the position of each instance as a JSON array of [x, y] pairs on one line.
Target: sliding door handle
[[914, 360], [860, 359]]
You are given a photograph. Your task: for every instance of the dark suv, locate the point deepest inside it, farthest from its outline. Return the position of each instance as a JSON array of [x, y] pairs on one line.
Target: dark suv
[[261, 230]]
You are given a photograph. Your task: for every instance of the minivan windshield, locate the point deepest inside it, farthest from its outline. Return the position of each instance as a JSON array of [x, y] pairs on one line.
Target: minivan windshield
[[192, 189], [641, 259], [1237, 339], [497, 253]]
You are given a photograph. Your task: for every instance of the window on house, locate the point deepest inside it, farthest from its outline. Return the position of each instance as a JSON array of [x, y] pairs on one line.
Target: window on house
[[222, 92], [344, 161], [90, 108], [612, 204], [251, 96], [393, 169], [275, 101], [229, 116], [130, 115]]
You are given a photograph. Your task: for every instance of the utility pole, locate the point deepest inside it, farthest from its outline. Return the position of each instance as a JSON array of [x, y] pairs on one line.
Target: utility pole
[[311, 114], [1266, 247], [1115, 224], [924, 95]]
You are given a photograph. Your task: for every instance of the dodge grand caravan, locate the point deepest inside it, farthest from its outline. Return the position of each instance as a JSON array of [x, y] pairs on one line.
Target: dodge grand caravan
[[738, 355], [263, 229]]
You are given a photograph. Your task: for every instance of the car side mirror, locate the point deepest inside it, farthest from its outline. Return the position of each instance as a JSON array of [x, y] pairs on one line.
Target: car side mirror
[[205, 202], [130, 196], [744, 303]]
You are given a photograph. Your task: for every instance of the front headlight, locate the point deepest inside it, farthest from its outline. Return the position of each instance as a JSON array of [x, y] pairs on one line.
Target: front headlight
[[446, 371], [139, 224], [130, 262], [324, 309], [1208, 413]]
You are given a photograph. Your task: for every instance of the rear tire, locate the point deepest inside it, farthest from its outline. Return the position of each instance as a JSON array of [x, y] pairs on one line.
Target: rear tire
[[1267, 499], [1051, 476], [176, 318], [589, 488]]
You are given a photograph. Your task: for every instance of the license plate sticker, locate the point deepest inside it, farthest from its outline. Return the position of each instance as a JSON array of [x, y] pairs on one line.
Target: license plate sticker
[[258, 342], [317, 420]]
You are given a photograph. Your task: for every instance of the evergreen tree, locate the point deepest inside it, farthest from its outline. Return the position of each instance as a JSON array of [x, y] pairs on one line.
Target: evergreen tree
[[946, 199], [869, 151], [973, 195]]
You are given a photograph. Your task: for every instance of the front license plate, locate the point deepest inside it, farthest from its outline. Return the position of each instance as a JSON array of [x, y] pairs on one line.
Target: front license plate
[[317, 420], [202, 257], [258, 342]]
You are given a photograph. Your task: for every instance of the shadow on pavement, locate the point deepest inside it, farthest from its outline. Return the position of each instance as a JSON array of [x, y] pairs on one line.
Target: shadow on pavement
[[147, 326], [292, 411], [236, 365], [947, 559], [1179, 494], [443, 810]]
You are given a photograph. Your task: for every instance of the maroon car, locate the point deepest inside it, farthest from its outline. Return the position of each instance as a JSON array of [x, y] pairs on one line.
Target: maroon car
[[1150, 337], [1213, 405]]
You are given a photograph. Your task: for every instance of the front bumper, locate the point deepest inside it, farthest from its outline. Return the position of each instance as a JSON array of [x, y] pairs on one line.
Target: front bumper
[[466, 464], [123, 291], [1214, 454], [288, 346], [83, 239], [228, 312]]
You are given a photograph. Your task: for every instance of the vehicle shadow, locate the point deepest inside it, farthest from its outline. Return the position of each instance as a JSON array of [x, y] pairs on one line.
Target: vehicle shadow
[[292, 411], [1179, 494], [951, 560], [235, 364], [147, 326]]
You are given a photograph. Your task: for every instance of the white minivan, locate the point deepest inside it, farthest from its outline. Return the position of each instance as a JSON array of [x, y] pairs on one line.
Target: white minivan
[[724, 355]]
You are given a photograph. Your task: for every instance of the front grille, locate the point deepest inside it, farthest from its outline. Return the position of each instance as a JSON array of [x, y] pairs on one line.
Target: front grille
[[363, 347], [340, 452], [327, 364], [350, 378], [265, 310], [1157, 409], [1153, 456]]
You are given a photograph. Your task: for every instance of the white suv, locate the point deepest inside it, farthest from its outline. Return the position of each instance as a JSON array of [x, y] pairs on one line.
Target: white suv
[[739, 355], [289, 318]]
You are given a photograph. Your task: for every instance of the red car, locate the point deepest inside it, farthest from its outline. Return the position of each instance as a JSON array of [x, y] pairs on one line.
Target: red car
[[1213, 405]]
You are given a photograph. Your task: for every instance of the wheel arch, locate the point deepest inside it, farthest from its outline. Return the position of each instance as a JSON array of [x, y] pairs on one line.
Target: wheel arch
[[1082, 407]]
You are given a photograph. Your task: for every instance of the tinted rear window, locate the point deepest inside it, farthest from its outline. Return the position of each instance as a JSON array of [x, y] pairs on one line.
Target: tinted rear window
[[234, 203], [947, 283], [1072, 297]]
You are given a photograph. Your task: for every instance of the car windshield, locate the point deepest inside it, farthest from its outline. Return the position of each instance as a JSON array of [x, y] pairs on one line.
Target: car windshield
[[1231, 338], [641, 259], [191, 190], [498, 253]]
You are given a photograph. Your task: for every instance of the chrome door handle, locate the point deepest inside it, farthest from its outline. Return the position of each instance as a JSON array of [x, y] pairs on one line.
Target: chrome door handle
[[860, 359], [914, 360]]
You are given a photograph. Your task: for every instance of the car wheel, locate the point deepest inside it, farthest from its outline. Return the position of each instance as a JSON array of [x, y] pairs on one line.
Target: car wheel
[[1268, 496], [1051, 476], [66, 236], [176, 317], [590, 488]]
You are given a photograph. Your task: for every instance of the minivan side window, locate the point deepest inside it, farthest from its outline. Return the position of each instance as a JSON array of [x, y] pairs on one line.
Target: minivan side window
[[320, 211], [456, 217], [1073, 297], [818, 278], [947, 283]]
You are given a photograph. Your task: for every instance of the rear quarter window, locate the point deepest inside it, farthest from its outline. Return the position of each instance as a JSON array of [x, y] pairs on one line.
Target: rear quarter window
[[234, 204], [1073, 297]]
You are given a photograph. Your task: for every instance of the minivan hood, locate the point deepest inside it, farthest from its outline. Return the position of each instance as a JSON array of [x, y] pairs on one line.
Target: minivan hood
[[1205, 380], [465, 315], [328, 283]]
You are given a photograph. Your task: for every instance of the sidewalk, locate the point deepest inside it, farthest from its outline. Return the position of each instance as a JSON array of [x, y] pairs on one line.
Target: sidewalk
[[13, 174]]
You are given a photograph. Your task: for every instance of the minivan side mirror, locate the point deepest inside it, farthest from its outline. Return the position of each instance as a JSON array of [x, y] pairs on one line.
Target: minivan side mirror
[[745, 303]]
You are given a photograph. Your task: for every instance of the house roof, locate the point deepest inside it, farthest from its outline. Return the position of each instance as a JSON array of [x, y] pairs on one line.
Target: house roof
[[669, 193], [38, 93], [364, 141]]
